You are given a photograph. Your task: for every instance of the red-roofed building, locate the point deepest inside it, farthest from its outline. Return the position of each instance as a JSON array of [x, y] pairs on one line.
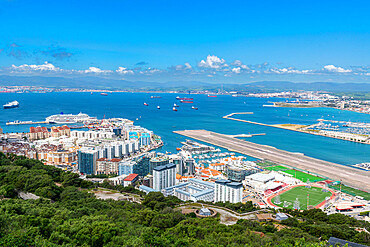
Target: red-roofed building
[[130, 179], [346, 206], [37, 133], [60, 131]]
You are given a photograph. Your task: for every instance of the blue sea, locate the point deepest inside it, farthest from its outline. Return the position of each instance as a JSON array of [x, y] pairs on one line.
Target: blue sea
[[38, 106]]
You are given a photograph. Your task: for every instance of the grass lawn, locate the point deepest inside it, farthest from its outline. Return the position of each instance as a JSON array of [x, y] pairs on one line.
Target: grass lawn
[[303, 176], [277, 168], [352, 191], [265, 163], [316, 196]]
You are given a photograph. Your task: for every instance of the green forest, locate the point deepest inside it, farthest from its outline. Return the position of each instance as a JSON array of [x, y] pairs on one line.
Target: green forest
[[67, 215]]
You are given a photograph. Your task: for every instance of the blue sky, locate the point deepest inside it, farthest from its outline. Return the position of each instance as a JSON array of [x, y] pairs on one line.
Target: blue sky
[[214, 41]]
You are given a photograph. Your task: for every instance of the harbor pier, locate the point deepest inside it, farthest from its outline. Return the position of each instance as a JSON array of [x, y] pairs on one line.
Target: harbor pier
[[349, 175]]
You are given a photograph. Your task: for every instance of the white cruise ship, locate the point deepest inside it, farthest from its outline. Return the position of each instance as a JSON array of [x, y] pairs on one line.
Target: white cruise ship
[[70, 118]]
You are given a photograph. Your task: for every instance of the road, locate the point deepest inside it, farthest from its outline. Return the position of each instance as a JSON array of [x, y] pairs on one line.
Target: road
[[350, 176]]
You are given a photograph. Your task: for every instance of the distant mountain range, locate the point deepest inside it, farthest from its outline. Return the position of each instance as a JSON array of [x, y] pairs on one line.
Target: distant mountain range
[[104, 83]]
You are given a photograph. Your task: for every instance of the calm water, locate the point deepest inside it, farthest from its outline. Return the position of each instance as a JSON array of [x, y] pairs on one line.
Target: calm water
[[37, 107]]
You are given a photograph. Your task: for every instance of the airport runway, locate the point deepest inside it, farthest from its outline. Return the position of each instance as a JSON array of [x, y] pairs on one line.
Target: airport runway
[[351, 176]]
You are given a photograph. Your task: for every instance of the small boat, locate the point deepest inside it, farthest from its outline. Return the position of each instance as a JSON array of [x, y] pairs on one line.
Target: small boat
[[174, 105], [214, 96], [195, 108], [91, 92], [158, 107], [174, 109], [178, 149], [104, 94], [12, 104], [145, 104]]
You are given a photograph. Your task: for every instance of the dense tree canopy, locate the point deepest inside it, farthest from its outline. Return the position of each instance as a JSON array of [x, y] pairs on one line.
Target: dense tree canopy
[[68, 215]]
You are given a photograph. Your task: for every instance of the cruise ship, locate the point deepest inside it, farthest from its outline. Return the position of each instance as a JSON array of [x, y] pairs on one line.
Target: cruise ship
[[70, 118], [12, 104]]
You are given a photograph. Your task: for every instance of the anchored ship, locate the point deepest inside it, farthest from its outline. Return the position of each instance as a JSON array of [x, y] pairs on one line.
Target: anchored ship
[[12, 104], [178, 98]]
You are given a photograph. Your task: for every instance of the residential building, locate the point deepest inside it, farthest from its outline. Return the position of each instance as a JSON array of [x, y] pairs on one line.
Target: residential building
[[157, 161], [228, 191], [58, 131], [106, 166], [37, 133], [87, 160], [164, 176]]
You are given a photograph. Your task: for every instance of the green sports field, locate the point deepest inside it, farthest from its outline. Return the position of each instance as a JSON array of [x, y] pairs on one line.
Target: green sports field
[[296, 174], [352, 191], [303, 176], [277, 168], [316, 197]]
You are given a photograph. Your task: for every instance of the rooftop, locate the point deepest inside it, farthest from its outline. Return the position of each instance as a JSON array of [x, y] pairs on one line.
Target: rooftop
[[131, 177], [261, 177]]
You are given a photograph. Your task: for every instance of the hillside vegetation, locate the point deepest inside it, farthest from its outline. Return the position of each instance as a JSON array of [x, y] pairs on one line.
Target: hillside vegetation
[[67, 215]]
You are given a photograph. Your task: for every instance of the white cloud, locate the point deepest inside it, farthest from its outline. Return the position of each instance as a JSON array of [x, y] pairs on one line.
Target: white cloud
[[124, 71], [237, 63], [188, 66], [289, 70], [96, 70], [33, 67], [332, 68], [212, 62], [236, 70]]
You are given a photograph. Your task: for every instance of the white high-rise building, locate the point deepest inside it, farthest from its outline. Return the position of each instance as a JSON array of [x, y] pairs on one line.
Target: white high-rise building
[[227, 191], [164, 176]]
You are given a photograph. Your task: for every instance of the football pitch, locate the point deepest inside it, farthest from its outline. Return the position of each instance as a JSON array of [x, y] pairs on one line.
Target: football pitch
[[316, 196], [303, 176], [277, 168]]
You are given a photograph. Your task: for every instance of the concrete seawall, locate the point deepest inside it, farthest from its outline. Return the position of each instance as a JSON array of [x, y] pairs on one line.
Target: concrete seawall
[[351, 176]]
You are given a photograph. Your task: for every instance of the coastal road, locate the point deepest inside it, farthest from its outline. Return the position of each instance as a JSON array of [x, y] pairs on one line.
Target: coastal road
[[357, 178]]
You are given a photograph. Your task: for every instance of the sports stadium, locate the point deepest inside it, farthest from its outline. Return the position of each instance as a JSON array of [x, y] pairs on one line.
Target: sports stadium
[[301, 197]]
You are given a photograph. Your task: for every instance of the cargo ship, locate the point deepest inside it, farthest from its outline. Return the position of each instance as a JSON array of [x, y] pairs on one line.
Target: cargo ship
[[214, 96], [178, 98], [186, 101], [145, 104], [174, 105], [155, 97], [13, 104], [104, 94], [195, 108]]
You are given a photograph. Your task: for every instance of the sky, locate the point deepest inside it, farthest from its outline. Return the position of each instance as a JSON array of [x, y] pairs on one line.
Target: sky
[[209, 41]]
